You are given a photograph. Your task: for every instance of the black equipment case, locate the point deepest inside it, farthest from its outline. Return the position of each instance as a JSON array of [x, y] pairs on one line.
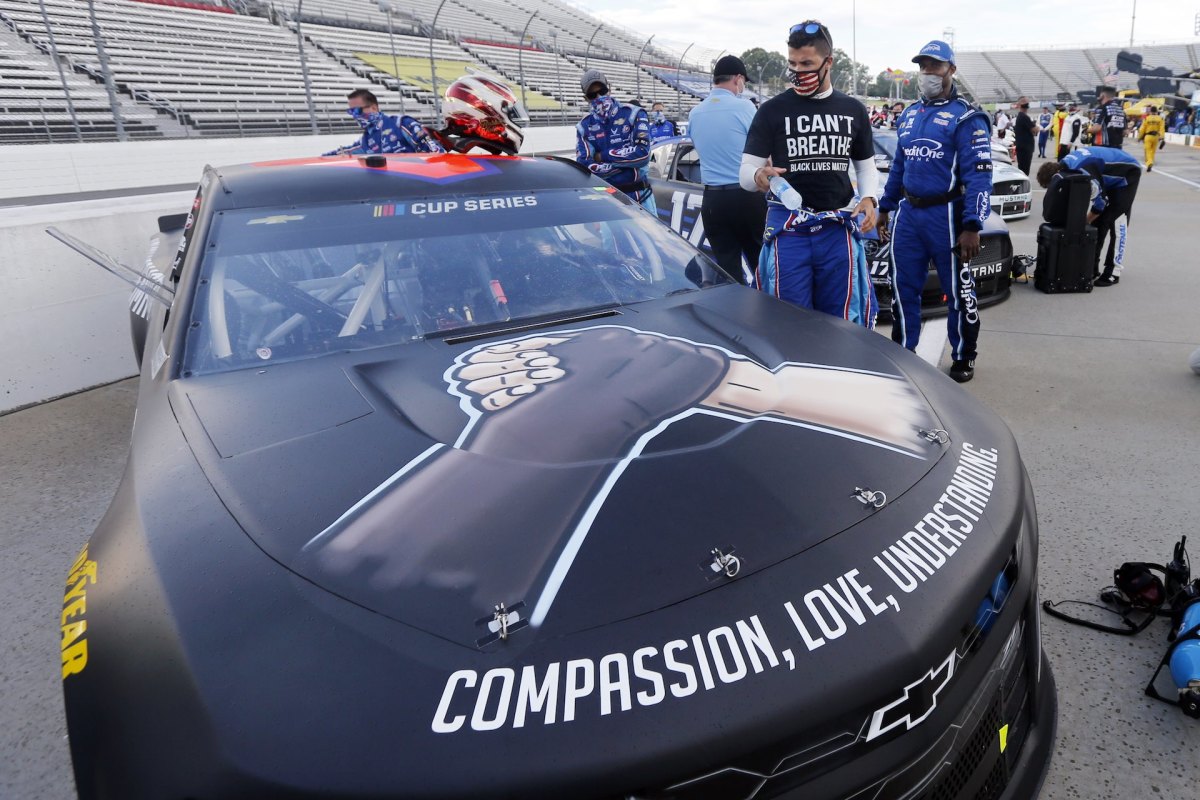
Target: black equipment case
[[1066, 244], [1065, 261]]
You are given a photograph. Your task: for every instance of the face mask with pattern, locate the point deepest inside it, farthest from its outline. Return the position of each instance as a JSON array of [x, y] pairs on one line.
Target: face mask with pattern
[[605, 106], [807, 82]]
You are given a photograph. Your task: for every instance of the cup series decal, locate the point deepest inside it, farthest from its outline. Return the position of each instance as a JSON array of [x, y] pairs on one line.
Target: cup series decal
[[561, 691]]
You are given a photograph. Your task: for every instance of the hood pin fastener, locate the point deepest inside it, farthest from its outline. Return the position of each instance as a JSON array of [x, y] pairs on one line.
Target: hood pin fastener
[[500, 617], [936, 435], [729, 564], [869, 498], [504, 621]]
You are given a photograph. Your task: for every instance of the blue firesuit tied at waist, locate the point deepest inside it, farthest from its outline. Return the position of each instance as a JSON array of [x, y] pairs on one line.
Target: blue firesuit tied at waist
[[816, 235], [383, 133]]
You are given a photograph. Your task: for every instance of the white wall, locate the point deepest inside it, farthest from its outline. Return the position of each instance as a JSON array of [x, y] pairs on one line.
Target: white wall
[[1178, 138], [64, 323]]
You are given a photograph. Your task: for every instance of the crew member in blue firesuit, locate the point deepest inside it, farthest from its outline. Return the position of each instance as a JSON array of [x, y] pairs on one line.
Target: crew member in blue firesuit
[[383, 133], [813, 135], [1044, 120], [614, 141], [1112, 200], [660, 126], [940, 186]]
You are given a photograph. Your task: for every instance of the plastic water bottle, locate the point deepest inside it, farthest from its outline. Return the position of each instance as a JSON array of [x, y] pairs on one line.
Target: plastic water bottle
[[787, 195], [1185, 663]]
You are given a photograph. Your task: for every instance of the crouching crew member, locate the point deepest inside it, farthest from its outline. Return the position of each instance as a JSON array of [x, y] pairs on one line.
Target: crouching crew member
[[614, 141], [811, 134], [940, 188], [1112, 201], [383, 133]]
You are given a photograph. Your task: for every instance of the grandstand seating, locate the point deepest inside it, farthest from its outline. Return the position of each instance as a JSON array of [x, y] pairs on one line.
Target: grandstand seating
[[545, 73], [33, 105], [369, 54], [355, 13], [629, 82], [232, 67], [512, 18], [1003, 74], [221, 73]]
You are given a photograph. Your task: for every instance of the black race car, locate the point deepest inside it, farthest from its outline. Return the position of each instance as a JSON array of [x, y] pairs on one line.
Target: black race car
[[463, 477], [678, 192]]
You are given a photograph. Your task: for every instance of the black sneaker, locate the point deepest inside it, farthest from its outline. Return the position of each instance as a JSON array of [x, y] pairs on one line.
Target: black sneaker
[[962, 371], [1150, 168], [1107, 280]]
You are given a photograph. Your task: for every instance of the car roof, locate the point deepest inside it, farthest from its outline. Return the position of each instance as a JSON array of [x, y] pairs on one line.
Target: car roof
[[304, 181], [670, 140]]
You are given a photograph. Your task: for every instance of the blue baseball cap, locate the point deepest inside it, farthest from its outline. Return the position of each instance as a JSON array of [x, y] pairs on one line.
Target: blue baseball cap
[[936, 49]]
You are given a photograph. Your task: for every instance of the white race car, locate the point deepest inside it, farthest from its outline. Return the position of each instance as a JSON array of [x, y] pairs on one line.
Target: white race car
[[1012, 197]]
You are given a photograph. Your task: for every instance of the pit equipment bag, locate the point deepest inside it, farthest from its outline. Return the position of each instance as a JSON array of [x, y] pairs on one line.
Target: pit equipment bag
[[1064, 261]]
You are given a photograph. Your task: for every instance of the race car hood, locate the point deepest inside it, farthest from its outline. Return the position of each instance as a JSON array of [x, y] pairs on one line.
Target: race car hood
[[1006, 172], [678, 444]]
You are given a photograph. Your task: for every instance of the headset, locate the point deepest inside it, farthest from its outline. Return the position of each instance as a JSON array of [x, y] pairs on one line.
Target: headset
[[1137, 588]]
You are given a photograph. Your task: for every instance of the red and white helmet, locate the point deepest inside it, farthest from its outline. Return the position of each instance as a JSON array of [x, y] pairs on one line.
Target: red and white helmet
[[482, 107]]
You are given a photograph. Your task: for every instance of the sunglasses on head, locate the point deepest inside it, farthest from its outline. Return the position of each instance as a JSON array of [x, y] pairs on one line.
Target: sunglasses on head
[[810, 28]]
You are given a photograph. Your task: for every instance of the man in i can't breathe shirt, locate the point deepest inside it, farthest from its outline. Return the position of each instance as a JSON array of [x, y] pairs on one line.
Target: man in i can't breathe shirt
[[811, 135]]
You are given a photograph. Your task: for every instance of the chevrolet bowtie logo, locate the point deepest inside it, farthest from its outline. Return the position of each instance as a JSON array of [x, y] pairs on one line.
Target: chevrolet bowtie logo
[[918, 702]]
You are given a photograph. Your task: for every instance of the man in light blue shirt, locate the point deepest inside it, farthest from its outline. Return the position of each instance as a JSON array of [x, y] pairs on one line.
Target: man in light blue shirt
[[733, 217]]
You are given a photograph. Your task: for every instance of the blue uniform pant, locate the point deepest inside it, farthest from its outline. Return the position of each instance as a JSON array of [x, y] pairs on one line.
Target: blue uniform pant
[[812, 266], [921, 235], [645, 199]]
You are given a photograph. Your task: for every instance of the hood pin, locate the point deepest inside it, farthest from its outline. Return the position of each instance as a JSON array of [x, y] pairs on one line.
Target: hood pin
[[504, 621], [869, 498], [936, 435], [500, 621], [729, 564]]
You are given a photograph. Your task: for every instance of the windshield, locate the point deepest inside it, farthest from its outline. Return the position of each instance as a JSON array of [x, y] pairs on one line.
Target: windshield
[[287, 283]]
